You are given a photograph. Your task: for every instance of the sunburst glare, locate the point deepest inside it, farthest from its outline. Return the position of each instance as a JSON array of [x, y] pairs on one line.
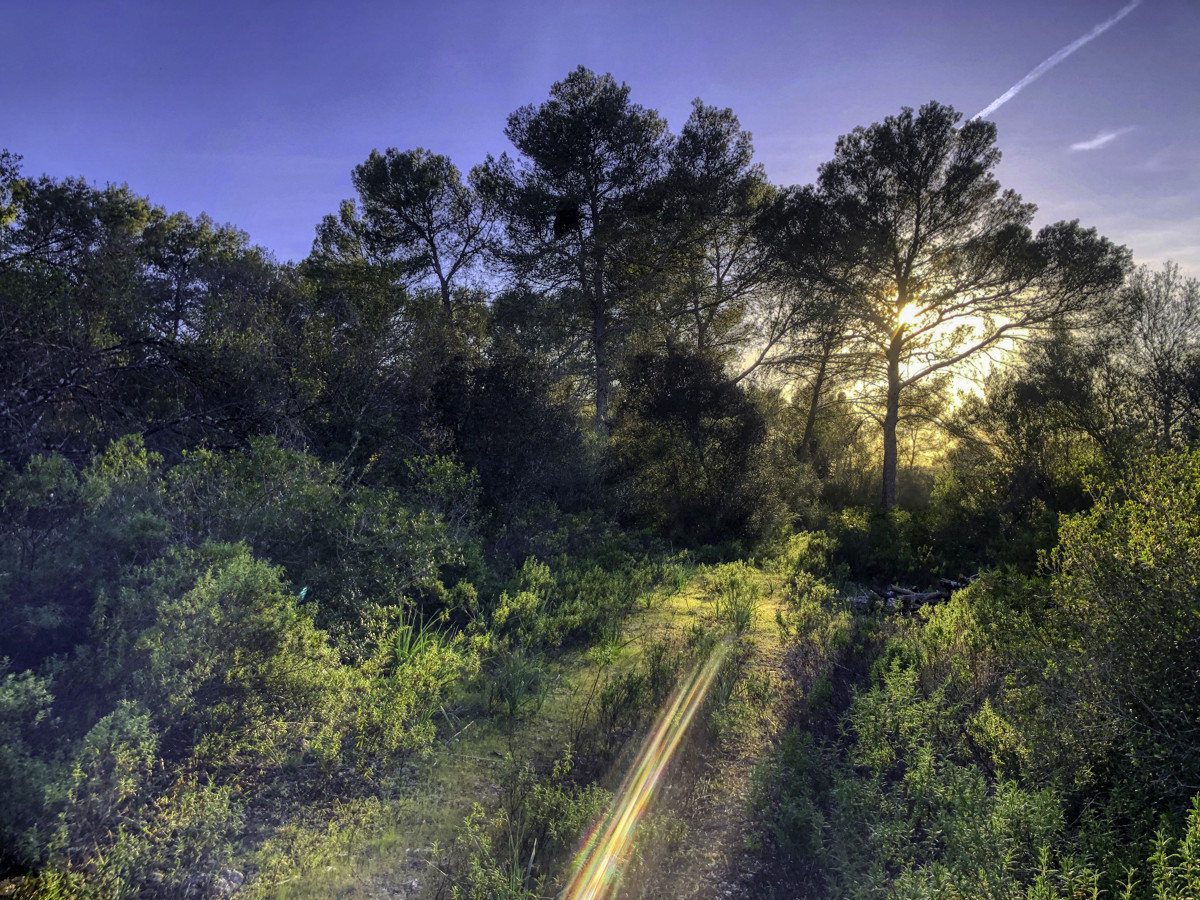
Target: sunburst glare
[[597, 872]]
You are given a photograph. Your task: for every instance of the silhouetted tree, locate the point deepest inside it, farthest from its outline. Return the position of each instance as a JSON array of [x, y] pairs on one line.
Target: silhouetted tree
[[937, 263], [419, 213], [587, 148], [1163, 353]]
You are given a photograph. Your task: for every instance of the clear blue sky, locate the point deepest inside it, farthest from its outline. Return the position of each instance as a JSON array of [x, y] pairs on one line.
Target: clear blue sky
[[255, 112]]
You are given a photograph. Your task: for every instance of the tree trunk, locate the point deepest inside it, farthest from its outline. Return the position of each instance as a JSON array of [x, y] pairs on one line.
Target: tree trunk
[[603, 370], [891, 418], [808, 444], [600, 329]]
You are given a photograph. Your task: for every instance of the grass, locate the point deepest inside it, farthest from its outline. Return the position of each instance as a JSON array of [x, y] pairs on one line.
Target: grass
[[593, 698]]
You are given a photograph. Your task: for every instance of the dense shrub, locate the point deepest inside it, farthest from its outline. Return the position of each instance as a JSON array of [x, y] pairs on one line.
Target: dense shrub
[[687, 443]]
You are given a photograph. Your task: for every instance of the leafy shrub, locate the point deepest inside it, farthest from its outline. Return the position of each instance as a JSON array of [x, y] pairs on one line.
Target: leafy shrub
[[508, 854], [397, 690], [738, 594], [232, 666], [522, 614], [352, 546], [26, 727], [1125, 582], [807, 552], [123, 826], [885, 545]]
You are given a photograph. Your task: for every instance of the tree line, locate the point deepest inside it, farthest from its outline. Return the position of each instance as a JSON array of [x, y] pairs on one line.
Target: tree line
[[602, 245]]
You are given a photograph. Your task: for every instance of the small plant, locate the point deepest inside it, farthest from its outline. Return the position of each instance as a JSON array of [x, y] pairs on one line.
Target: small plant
[[508, 852], [723, 712], [662, 665], [413, 638], [821, 695], [737, 595], [701, 640], [621, 702], [516, 683]]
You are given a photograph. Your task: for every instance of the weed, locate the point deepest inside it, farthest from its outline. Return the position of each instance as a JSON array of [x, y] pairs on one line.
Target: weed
[[509, 853], [737, 593], [621, 702], [662, 665], [701, 640], [413, 638], [722, 711], [517, 682]]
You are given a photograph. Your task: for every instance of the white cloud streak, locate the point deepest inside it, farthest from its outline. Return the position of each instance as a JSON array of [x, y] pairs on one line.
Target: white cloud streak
[[1054, 60], [1104, 137]]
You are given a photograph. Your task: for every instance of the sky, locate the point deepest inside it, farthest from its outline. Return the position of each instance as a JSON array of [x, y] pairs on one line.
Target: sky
[[256, 112]]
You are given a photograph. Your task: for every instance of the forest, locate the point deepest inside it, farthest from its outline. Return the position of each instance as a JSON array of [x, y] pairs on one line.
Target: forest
[[603, 521]]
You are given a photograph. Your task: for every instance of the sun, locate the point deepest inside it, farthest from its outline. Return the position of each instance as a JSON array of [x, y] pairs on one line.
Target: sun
[[910, 314]]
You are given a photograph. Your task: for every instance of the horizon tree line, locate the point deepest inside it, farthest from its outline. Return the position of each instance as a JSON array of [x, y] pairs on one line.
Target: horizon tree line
[[601, 238]]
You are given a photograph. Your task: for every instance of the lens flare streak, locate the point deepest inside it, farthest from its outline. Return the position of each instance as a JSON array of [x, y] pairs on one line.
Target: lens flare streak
[[596, 872]]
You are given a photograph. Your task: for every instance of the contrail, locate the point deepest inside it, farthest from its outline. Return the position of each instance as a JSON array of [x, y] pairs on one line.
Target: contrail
[[1055, 60], [1101, 140]]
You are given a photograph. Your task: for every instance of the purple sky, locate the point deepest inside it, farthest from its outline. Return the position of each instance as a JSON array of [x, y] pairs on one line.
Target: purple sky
[[255, 112]]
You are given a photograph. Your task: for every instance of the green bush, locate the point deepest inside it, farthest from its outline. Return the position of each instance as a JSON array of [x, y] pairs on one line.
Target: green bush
[[352, 546], [509, 853], [397, 691], [1126, 652], [232, 666], [125, 827], [737, 592], [26, 732]]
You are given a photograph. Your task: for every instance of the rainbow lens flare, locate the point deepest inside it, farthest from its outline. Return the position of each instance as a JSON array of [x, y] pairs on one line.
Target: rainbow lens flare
[[597, 865]]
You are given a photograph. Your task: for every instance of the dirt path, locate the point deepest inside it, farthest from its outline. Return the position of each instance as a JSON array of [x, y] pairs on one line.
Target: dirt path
[[699, 837], [711, 786]]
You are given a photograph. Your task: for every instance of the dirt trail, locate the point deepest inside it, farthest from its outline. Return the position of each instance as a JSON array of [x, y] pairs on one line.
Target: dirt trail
[[711, 785], [699, 839]]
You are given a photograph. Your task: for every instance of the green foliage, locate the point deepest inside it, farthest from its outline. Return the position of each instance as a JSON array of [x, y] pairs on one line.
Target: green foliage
[[292, 508], [26, 728], [901, 804], [801, 779], [399, 688], [810, 618], [736, 695], [663, 661], [233, 667], [517, 682], [509, 854], [876, 544], [1175, 865], [524, 615], [352, 546], [40, 507], [108, 780], [688, 441], [1125, 582], [809, 552], [738, 594], [1020, 739], [1025, 452], [515, 422], [419, 213], [124, 827], [121, 317]]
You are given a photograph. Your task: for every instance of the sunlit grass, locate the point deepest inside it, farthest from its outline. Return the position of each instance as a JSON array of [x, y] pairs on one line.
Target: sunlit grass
[[597, 871]]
